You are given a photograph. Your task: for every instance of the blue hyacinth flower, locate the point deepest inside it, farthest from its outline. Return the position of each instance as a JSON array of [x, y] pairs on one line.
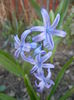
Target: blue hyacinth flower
[[22, 47], [48, 30], [39, 62], [45, 82]]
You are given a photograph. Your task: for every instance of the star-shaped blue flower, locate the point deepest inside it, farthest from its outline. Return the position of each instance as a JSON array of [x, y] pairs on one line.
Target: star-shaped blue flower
[[45, 82], [39, 62], [21, 46], [48, 30]]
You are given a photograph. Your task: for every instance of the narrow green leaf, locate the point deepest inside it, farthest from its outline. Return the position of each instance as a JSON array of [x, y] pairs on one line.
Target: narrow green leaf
[[67, 23], [5, 97], [10, 64], [51, 14], [62, 9], [37, 22], [67, 94], [59, 8], [36, 7], [59, 77], [26, 67], [31, 92]]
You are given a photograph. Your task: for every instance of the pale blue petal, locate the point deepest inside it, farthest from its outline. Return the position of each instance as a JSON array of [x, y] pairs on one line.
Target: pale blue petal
[[38, 58], [46, 57], [27, 59], [48, 86], [17, 40], [46, 18], [37, 76], [26, 47], [17, 53], [45, 42], [37, 50], [34, 69], [24, 34], [56, 21], [37, 85], [39, 37], [41, 85], [50, 41], [16, 45], [33, 45], [43, 52], [51, 82], [59, 33], [49, 75], [37, 28], [48, 65]]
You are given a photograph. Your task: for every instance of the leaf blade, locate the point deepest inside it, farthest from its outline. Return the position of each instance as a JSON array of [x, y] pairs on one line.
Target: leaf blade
[[62, 9], [59, 77], [36, 7], [5, 97], [67, 94], [30, 90], [10, 64]]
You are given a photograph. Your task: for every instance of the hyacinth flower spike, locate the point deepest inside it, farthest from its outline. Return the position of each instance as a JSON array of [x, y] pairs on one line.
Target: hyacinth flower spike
[[21, 46], [39, 63], [48, 30], [45, 82]]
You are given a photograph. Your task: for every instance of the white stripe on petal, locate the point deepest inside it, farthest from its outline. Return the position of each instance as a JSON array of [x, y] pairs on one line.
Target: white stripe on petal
[[59, 33], [39, 37], [30, 60], [50, 41], [24, 34], [46, 57], [17, 40], [17, 52], [48, 65], [56, 21], [33, 45], [46, 18], [34, 69], [37, 76], [37, 28]]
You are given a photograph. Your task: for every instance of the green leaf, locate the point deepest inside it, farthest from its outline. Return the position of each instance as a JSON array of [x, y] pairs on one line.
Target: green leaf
[[2, 88], [26, 67], [37, 22], [67, 94], [51, 14], [31, 92], [62, 9], [5, 97], [36, 7], [67, 23], [59, 8], [59, 77], [10, 64]]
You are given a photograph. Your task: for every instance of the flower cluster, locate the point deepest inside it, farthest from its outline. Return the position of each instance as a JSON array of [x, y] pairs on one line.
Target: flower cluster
[[39, 56]]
